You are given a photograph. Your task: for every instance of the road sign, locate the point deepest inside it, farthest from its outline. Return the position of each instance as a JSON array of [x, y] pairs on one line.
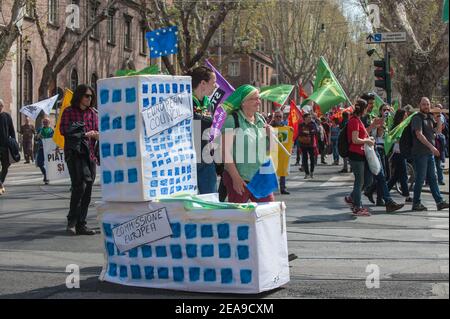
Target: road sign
[[388, 37]]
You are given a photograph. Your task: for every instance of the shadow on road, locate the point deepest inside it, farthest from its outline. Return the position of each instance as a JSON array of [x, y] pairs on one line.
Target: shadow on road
[[93, 288]]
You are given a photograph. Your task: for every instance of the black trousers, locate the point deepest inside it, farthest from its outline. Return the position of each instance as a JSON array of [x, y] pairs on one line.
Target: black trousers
[[4, 162], [81, 195], [308, 151]]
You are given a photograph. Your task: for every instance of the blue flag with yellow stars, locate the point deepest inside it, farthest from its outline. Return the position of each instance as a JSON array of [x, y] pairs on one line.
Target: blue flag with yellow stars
[[163, 42]]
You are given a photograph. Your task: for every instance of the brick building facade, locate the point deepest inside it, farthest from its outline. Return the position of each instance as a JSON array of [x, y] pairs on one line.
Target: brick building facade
[[118, 42]]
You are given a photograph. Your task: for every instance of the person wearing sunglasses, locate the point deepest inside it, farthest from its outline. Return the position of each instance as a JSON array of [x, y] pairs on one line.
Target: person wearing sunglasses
[[79, 126]]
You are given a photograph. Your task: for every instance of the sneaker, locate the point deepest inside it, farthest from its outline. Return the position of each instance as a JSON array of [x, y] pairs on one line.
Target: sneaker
[[361, 212], [419, 208], [348, 200], [380, 203], [312, 175], [408, 200], [285, 192], [71, 231], [301, 169], [441, 183], [86, 231], [393, 206], [370, 197], [306, 176], [443, 205], [292, 257], [345, 171], [46, 181], [2, 190]]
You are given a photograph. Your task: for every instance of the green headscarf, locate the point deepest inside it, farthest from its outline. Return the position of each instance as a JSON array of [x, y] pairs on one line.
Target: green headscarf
[[234, 101]]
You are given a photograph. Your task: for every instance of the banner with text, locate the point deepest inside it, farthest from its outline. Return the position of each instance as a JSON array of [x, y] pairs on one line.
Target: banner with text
[[142, 230], [55, 164], [168, 113]]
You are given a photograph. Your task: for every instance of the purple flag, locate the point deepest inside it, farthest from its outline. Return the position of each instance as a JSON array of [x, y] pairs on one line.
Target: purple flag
[[224, 88], [223, 91], [220, 115]]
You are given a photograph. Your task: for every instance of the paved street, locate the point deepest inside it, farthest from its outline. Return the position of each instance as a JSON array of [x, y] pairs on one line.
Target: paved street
[[333, 247]]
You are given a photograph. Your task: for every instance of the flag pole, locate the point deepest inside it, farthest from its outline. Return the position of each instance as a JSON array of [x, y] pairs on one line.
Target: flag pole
[[275, 138]]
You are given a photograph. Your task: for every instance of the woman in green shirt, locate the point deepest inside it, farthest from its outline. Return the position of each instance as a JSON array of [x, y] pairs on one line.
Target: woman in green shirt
[[245, 146], [44, 132]]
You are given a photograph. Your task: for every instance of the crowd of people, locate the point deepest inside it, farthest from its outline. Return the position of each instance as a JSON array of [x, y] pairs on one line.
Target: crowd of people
[[319, 136]]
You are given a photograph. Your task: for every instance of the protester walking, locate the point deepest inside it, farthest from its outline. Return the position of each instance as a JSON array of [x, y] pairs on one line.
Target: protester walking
[[278, 121], [399, 172], [307, 137], [345, 117], [6, 132], [246, 127], [204, 85], [28, 132], [43, 133], [334, 139], [424, 128], [79, 126]]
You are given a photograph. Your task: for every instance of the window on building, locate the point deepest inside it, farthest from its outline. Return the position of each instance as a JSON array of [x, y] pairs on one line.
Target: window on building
[[143, 43], [261, 76], [111, 33], [27, 83], [93, 13], [53, 11], [267, 76], [29, 11], [128, 32], [257, 72], [94, 79], [234, 68], [73, 80]]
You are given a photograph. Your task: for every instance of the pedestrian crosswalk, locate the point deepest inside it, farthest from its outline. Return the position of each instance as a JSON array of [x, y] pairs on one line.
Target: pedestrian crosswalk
[[28, 174], [21, 174]]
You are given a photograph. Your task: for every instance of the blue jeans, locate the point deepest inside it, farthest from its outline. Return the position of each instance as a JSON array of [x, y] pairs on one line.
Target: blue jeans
[[206, 178], [380, 184], [334, 145], [308, 151], [400, 174], [424, 167], [439, 170], [362, 177]]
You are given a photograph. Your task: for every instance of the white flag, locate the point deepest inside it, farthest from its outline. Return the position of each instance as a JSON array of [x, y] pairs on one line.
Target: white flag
[[33, 110]]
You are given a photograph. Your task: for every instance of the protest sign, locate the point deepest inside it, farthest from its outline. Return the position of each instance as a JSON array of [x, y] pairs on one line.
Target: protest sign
[[142, 230], [55, 164]]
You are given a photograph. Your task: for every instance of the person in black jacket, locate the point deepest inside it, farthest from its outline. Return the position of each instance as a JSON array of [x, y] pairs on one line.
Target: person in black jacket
[[6, 132], [204, 85]]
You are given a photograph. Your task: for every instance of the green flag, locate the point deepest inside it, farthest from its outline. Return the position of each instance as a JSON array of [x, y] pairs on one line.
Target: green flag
[[276, 93], [394, 135], [445, 11], [150, 70], [377, 106], [327, 90], [396, 105]]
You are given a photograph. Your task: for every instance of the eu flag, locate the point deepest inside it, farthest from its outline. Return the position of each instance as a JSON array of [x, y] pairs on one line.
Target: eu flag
[[163, 41]]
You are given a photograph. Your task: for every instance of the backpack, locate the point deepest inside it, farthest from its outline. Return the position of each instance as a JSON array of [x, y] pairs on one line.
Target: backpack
[[220, 167], [13, 149], [343, 144], [406, 141]]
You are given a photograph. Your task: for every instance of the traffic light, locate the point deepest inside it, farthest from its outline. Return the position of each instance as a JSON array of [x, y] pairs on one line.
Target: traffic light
[[381, 74]]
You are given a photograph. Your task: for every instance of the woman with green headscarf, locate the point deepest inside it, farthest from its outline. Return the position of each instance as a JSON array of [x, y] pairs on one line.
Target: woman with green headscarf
[[244, 143]]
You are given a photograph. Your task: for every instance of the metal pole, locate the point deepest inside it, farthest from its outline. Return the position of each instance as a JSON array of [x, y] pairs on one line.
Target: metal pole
[[387, 60]]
